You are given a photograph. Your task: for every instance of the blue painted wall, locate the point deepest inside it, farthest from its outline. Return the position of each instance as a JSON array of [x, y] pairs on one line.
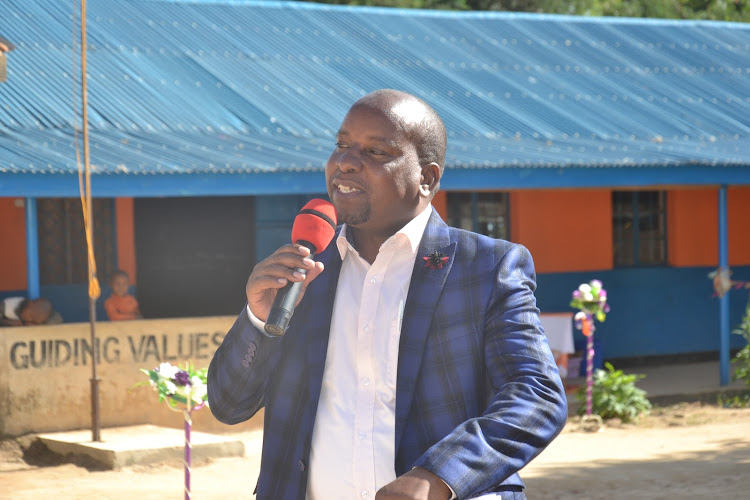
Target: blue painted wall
[[675, 314], [655, 311]]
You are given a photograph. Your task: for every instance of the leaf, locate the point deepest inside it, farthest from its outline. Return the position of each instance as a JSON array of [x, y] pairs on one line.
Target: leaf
[[614, 395]]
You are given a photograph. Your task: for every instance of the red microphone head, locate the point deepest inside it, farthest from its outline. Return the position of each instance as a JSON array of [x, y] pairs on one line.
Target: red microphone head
[[315, 224]]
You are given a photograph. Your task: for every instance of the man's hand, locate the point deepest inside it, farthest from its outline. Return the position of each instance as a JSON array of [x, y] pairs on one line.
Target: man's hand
[[274, 272], [417, 484]]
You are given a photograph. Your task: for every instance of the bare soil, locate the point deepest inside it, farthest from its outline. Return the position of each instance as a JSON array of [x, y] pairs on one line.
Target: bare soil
[[687, 450]]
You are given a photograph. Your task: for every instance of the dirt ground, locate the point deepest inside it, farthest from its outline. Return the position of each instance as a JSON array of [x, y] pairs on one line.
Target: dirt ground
[[688, 450]]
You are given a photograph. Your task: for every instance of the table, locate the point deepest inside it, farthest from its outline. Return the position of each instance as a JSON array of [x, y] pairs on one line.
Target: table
[[558, 328]]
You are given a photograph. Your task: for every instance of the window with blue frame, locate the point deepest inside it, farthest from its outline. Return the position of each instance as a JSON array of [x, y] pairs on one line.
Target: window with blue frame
[[484, 213], [63, 259], [639, 228]]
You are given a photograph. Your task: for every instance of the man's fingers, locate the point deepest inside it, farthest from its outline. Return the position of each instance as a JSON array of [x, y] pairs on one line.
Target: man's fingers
[[265, 282], [294, 251], [290, 263], [288, 269], [276, 276], [311, 275]]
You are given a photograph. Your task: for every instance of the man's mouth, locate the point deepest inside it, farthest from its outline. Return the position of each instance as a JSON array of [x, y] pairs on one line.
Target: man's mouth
[[347, 189]]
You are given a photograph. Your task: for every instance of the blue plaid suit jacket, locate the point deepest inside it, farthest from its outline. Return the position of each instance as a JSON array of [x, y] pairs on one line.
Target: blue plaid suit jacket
[[478, 392]]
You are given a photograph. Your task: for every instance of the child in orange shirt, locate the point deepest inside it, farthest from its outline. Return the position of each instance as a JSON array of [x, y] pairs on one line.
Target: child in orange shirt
[[121, 305]]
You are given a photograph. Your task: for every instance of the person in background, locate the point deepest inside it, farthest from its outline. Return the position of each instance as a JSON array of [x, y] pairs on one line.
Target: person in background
[[415, 366], [19, 311], [121, 305]]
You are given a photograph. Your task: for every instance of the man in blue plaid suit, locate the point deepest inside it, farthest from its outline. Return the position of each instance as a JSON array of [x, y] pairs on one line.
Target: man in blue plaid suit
[[415, 366]]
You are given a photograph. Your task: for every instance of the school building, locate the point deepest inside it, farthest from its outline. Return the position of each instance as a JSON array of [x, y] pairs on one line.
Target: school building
[[616, 149]]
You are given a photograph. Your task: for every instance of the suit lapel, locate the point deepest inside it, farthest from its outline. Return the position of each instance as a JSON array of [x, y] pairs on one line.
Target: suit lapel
[[424, 292]]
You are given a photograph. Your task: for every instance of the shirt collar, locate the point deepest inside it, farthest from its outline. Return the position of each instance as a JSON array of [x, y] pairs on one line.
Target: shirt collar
[[411, 233]]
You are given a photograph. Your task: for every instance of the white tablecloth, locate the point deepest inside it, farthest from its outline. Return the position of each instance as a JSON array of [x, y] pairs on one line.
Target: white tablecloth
[[558, 327]]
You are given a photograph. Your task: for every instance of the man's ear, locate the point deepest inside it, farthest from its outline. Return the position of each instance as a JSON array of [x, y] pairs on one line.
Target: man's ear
[[430, 180]]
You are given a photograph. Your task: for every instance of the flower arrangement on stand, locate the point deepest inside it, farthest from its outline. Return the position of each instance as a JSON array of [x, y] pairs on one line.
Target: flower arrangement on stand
[[183, 389], [591, 301]]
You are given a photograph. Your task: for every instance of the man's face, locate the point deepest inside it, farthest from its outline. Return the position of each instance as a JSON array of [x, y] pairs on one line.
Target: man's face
[[373, 175]]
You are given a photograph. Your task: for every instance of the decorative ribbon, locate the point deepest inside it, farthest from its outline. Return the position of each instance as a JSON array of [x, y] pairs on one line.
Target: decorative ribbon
[[588, 330], [188, 450], [723, 282]]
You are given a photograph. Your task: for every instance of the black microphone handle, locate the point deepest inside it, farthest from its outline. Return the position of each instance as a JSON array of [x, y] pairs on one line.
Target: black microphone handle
[[285, 301]]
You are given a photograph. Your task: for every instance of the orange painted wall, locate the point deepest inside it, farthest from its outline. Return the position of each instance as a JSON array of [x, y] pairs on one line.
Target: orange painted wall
[[692, 227], [738, 208], [440, 202], [13, 244], [125, 236], [542, 220], [553, 225]]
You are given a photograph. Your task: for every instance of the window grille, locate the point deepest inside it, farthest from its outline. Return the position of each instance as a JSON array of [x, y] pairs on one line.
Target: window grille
[[639, 228], [484, 213], [62, 243]]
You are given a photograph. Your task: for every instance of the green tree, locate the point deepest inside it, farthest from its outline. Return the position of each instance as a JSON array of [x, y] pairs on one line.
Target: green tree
[[719, 10], [404, 4]]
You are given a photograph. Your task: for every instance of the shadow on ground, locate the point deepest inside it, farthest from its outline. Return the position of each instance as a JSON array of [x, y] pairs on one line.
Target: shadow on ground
[[28, 451], [705, 474]]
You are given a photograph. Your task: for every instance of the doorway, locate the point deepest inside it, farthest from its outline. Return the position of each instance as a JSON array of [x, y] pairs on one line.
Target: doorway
[[194, 255]]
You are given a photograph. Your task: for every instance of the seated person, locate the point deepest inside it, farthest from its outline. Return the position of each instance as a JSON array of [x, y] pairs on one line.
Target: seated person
[[18, 311], [121, 305]]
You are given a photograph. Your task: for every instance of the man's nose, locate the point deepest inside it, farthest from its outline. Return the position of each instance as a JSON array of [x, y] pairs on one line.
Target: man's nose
[[349, 161]]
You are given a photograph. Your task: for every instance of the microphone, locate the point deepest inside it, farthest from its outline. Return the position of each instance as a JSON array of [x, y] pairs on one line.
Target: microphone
[[313, 228]]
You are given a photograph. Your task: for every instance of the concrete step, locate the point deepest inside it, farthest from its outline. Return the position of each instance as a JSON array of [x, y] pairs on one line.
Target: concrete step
[[141, 444]]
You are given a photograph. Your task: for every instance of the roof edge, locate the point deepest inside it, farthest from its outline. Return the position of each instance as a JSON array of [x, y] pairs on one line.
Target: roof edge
[[285, 183]]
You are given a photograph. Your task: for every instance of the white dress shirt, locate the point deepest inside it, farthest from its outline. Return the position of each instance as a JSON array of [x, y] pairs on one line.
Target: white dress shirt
[[353, 442]]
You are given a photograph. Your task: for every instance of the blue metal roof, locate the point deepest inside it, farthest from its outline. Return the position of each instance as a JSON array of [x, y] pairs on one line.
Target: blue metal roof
[[242, 96]]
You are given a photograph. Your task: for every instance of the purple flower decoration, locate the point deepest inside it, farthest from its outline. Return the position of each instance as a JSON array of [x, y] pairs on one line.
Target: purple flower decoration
[[182, 378], [591, 298]]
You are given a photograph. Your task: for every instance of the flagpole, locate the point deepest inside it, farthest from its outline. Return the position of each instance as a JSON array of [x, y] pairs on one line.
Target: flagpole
[[88, 211]]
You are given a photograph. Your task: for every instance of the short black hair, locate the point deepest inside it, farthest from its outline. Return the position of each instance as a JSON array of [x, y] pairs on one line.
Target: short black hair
[[428, 135], [432, 140]]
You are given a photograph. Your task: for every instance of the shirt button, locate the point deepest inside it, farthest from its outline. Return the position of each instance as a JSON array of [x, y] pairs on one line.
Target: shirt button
[[365, 328], [365, 381], [373, 280], [364, 494], [362, 435]]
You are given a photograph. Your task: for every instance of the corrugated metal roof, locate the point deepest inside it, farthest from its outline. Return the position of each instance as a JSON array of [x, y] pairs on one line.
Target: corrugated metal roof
[[245, 86]]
